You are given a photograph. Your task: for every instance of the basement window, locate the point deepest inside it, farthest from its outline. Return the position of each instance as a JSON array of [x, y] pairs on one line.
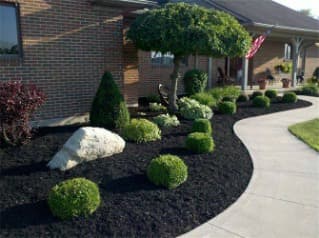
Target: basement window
[[287, 53], [10, 43]]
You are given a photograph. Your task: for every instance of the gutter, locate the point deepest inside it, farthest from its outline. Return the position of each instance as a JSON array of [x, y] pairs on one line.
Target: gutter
[[288, 28], [128, 3]]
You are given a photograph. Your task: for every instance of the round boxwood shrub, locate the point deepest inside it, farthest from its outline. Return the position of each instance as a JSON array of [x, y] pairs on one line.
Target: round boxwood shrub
[[227, 107], [243, 98], [141, 130], [261, 101], [271, 93], [256, 94], [74, 197], [195, 81], [168, 171], [199, 142], [310, 89], [289, 97], [202, 125], [108, 109], [228, 99]]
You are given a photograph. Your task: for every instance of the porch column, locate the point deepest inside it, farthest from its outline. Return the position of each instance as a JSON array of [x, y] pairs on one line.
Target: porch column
[[244, 80], [296, 43]]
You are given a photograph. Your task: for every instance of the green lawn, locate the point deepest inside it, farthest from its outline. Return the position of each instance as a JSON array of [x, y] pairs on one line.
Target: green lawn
[[308, 132]]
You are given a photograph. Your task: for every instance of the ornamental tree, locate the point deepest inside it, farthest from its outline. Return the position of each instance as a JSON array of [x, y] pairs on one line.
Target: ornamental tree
[[183, 29]]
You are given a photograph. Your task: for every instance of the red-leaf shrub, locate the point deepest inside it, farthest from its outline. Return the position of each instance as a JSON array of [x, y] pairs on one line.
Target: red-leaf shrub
[[17, 102]]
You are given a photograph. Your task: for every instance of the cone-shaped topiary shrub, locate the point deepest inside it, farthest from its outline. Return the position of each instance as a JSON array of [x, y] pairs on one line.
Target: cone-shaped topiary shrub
[[108, 108], [271, 93], [256, 94], [261, 101], [195, 81], [141, 130], [202, 125], [168, 171], [74, 197], [199, 142], [227, 107], [243, 98], [289, 97]]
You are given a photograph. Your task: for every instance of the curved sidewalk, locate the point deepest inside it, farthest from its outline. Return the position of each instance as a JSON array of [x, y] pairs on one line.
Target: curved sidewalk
[[282, 198]]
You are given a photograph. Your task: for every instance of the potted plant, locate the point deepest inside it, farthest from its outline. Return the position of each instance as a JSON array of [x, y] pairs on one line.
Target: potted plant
[[285, 82], [262, 83]]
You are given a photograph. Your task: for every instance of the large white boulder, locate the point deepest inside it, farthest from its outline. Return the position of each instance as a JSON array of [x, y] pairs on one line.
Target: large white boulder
[[87, 143]]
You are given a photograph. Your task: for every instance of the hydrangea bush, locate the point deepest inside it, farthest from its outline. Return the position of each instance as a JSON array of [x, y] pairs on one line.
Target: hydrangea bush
[[191, 109], [165, 120]]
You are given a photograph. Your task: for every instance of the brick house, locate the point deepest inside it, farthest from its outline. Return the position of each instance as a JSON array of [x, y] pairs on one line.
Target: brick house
[[65, 46]]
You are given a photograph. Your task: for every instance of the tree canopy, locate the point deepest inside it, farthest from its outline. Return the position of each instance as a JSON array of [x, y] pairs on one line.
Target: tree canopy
[[185, 29]]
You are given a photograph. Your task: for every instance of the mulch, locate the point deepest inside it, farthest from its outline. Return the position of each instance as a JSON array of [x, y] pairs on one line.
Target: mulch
[[131, 205]]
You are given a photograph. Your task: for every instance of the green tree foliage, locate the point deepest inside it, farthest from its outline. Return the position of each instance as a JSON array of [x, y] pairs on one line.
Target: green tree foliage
[[183, 29], [108, 108]]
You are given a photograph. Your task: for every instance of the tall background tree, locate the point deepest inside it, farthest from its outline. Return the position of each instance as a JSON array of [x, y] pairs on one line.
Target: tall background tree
[[183, 29]]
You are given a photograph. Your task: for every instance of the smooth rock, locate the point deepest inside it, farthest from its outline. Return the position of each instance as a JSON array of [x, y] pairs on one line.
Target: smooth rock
[[86, 144]]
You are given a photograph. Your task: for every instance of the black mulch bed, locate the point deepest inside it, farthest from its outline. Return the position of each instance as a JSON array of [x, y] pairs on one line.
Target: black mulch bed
[[131, 207]]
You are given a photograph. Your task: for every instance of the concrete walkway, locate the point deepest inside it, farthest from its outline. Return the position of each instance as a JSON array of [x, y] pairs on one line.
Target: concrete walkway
[[282, 198]]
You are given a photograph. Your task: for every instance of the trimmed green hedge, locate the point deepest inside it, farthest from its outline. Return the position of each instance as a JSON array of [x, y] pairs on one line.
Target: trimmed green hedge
[[74, 197], [199, 142], [261, 101], [168, 171], [271, 93], [289, 97], [202, 125], [256, 94], [195, 81], [141, 130], [227, 107], [108, 109]]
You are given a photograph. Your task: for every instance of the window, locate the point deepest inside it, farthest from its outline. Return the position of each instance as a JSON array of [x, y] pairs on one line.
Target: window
[[165, 59], [9, 30], [287, 54]]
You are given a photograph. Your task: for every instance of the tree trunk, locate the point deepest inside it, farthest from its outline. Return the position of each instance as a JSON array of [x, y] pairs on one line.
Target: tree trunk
[[173, 89]]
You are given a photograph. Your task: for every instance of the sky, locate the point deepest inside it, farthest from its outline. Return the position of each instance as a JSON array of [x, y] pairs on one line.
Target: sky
[[302, 4]]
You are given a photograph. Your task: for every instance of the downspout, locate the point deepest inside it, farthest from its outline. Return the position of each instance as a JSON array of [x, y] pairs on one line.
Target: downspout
[[210, 73]]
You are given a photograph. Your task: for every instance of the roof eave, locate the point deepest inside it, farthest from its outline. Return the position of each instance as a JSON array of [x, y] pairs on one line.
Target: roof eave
[[135, 4], [280, 27]]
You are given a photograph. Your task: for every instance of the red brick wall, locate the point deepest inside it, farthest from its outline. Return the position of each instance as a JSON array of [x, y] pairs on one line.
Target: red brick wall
[[153, 74], [67, 46]]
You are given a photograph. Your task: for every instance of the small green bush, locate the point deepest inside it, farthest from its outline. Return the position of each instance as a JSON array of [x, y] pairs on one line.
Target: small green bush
[[310, 90], [202, 125], [243, 98], [168, 171], [228, 99], [228, 91], [289, 97], [256, 94], [271, 93], [205, 99], [74, 197], [156, 107], [195, 81], [141, 130], [165, 120], [108, 108], [261, 101], [191, 109], [153, 98], [227, 107], [199, 142]]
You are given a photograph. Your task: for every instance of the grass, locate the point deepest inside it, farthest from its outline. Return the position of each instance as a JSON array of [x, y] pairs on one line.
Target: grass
[[308, 132]]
